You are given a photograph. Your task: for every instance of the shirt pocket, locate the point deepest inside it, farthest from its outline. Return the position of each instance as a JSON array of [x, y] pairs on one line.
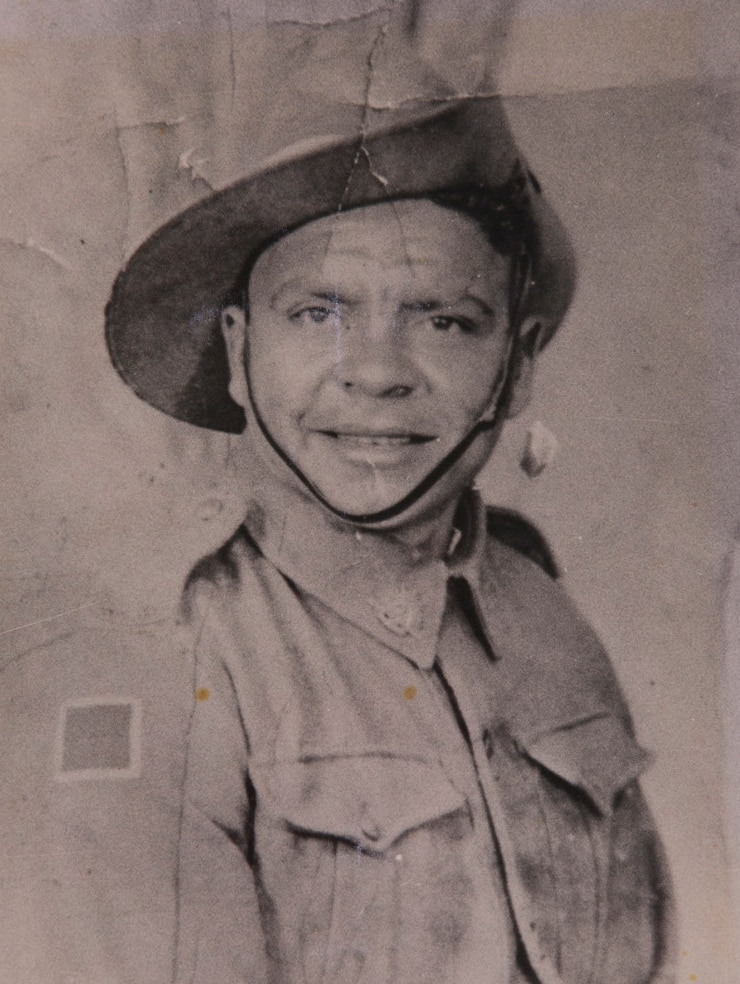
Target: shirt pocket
[[370, 801], [559, 791], [596, 755]]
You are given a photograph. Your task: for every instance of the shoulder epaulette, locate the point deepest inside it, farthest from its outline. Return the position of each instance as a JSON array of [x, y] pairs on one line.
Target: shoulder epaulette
[[218, 569], [513, 530]]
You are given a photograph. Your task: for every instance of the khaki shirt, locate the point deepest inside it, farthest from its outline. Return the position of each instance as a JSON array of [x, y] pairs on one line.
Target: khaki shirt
[[347, 767], [404, 771]]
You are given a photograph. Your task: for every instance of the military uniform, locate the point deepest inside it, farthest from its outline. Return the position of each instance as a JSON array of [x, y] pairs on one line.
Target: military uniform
[[351, 767], [393, 770], [405, 771]]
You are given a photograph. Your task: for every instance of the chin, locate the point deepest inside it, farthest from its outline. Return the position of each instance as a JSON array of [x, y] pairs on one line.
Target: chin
[[435, 503], [359, 495], [361, 503]]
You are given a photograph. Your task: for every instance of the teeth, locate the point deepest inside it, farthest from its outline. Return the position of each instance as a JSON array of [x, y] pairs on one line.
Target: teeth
[[375, 440]]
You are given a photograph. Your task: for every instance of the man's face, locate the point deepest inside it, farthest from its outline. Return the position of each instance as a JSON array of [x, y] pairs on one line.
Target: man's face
[[376, 339]]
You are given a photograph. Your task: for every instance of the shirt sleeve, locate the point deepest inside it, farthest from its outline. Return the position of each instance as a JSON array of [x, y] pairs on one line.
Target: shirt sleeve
[[219, 921]]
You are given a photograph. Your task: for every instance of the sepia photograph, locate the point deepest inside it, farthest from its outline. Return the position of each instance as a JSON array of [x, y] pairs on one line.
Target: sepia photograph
[[370, 492]]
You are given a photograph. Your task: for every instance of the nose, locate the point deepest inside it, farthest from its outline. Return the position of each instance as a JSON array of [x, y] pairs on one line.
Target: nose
[[373, 360]]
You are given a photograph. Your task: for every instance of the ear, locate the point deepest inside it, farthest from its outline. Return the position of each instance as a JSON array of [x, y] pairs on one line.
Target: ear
[[522, 367], [234, 331]]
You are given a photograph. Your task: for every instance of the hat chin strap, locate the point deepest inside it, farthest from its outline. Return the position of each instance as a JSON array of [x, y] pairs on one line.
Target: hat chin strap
[[486, 422]]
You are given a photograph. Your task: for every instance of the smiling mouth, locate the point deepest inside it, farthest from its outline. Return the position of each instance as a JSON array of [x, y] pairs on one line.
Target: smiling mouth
[[378, 440]]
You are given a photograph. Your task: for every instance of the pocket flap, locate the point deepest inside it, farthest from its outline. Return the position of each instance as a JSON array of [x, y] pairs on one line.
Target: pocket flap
[[596, 754], [369, 800]]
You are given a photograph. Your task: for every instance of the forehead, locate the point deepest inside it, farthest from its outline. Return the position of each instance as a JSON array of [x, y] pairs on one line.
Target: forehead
[[407, 240]]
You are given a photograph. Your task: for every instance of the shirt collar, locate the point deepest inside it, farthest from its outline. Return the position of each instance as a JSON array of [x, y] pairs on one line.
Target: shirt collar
[[368, 578], [552, 675]]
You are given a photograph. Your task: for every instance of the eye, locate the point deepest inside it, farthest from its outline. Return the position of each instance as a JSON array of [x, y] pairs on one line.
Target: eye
[[315, 315], [447, 322]]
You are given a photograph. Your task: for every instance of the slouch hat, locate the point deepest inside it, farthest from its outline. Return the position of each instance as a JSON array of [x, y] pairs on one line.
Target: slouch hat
[[376, 123]]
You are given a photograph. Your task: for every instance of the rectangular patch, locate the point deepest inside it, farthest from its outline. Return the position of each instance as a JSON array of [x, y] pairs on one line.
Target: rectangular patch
[[99, 738]]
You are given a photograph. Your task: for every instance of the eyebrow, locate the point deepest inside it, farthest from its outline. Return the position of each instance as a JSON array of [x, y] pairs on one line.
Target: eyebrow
[[332, 296], [328, 295], [433, 304]]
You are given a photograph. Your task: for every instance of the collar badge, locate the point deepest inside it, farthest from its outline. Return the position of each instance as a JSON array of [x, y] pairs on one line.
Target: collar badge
[[400, 612]]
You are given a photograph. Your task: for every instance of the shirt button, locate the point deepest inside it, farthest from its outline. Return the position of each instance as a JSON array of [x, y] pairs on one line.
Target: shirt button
[[370, 829], [488, 747]]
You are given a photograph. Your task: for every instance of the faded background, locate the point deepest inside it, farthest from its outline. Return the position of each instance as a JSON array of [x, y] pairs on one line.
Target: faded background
[[115, 116]]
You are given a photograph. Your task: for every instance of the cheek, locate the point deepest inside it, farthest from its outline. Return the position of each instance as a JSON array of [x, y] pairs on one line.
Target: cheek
[[467, 384], [281, 376]]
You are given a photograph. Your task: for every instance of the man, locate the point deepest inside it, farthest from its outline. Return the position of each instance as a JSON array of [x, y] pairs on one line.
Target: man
[[408, 758]]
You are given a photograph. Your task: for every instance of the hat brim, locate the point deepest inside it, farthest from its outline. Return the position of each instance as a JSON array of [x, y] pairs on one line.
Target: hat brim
[[162, 320]]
